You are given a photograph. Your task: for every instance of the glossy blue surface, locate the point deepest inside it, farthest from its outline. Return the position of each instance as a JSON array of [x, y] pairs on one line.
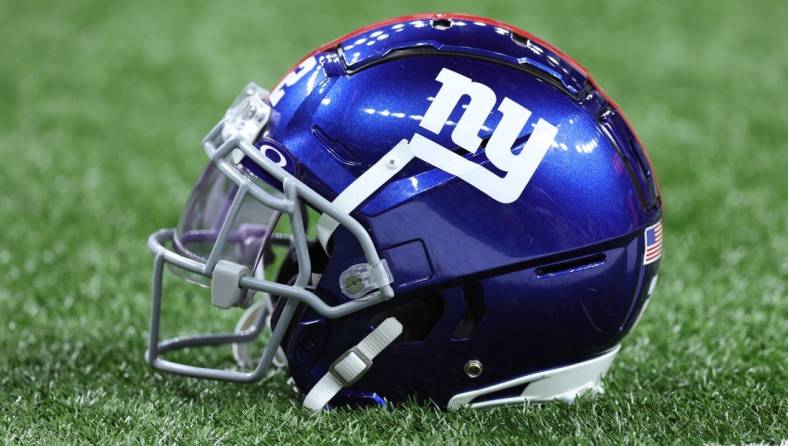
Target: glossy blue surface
[[590, 199]]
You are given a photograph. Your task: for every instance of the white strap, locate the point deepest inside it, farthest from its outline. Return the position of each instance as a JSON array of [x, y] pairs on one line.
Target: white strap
[[352, 364], [364, 186]]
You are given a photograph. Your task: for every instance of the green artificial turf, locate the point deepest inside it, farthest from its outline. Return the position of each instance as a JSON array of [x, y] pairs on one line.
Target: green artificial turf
[[102, 108]]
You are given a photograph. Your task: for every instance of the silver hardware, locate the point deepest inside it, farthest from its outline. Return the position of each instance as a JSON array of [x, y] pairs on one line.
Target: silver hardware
[[473, 368]]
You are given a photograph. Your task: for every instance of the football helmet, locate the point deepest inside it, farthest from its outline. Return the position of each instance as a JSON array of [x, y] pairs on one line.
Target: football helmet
[[438, 207]]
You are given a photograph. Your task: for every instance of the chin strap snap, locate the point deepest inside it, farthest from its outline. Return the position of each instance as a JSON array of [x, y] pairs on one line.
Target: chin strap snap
[[352, 365]]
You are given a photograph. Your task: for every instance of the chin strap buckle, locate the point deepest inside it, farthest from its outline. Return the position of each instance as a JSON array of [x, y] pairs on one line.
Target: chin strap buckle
[[353, 364]]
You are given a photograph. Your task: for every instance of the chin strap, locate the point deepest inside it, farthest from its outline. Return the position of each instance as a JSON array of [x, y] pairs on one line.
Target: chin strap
[[352, 364]]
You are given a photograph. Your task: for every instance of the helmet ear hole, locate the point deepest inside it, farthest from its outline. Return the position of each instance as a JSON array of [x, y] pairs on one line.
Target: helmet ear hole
[[418, 316]]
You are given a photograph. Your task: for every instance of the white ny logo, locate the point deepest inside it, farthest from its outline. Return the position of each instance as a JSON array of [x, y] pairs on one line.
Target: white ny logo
[[519, 168]]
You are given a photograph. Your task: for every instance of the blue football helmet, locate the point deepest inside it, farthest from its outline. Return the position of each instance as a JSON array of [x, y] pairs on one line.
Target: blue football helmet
[[437, 208]]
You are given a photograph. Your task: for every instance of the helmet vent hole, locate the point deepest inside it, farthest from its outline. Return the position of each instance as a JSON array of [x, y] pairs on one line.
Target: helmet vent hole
[[571, 266], [473, 296], [418, 316], [441, 24], [520, 40], [509, 392]]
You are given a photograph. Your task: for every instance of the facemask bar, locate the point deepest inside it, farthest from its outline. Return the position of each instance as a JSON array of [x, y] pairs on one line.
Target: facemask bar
[[219, 152]]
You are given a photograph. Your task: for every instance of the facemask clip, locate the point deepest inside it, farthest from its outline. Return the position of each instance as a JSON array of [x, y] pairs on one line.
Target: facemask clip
[[226, 291], [359, 280]]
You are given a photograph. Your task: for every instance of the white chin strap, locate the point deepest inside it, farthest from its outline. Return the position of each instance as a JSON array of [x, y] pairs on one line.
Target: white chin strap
[[352, 364]]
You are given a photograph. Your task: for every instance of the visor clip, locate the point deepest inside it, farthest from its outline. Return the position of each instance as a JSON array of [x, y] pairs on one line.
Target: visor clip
[[226, 290]]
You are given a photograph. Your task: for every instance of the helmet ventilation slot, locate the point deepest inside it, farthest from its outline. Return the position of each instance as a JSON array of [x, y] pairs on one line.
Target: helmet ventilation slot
[[521, 40], [418, 316], [571, 266], [339, 151], [509, 392], [473, 295], [441, 23]]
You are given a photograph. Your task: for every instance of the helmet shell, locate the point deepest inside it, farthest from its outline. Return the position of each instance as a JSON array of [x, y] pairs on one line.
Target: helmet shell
[[553, 278]]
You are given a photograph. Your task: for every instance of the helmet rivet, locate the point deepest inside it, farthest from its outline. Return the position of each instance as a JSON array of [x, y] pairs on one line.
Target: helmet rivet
[[392, 162], [354, 283], [473, 368]]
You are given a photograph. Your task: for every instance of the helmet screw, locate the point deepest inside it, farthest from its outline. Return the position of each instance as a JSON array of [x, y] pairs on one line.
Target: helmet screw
[[392, 163], [473, 368], [354, 284]]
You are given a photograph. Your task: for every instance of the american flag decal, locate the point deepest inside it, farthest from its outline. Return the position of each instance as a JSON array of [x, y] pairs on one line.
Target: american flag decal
[[653, 243]]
